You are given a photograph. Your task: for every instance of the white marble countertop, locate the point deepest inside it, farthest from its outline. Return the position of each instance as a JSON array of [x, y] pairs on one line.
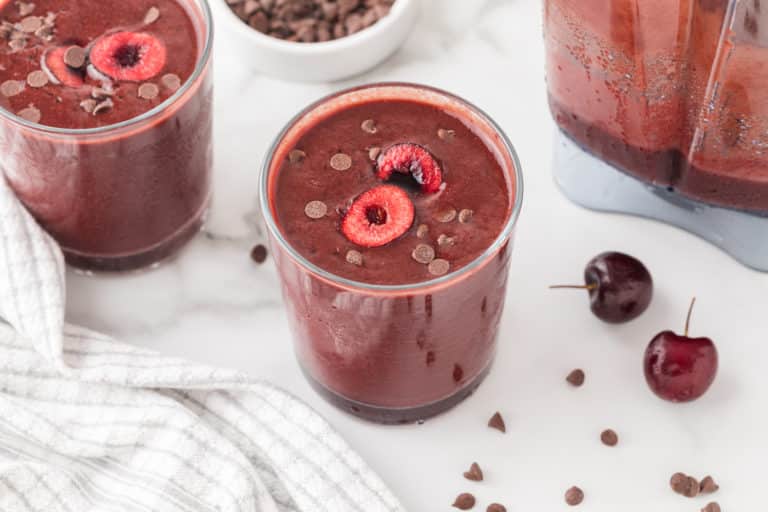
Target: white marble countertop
[[215, 305]]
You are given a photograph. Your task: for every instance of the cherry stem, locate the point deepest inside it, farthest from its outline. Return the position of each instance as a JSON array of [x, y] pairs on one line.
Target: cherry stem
[[574, 286], [688, 318]]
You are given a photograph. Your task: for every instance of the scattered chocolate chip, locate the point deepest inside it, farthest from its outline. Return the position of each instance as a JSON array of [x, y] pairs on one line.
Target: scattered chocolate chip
[[422, 231], [712, 507], [259, 254], [576, 378], [446, 135], [475, 473], [296, 156], [153, 14], [11, 88], [708, 485], [171, 81], [497, 422], [609, 438], [369, 126], [89, 105], [31, 114], [446, 241], [149, 91], [465, 216], [316, 210], [259, 21], [355, 258], [373, 153], [30, 24], [25, 8], [684, 485], [496, 507], [574, 496], [423, 254], [439, 267], [103, 106], [37, 79], [341, 162], [446, 216], [464, 501], [74, 57]]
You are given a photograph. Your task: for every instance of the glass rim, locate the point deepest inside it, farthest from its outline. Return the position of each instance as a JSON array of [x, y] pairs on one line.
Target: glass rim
[[200, 66], [490, 252]]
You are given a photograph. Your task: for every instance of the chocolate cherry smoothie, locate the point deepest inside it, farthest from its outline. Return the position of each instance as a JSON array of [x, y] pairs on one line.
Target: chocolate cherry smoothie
[[391, 208], [105, 123]]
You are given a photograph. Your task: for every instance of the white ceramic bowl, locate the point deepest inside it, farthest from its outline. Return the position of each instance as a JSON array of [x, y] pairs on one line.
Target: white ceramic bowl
[[322, 62]]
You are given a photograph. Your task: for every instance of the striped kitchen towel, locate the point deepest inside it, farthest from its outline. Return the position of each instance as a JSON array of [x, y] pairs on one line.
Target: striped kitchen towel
[[89, 424]]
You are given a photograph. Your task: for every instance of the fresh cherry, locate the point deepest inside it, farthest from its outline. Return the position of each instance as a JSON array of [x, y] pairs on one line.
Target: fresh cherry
[[411, 159], [680, 368], [620, 287]]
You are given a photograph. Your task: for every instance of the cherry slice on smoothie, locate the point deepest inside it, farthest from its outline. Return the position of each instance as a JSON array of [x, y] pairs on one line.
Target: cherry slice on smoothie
[[414, 160], [378, 217], [59, 73], [129, 56]]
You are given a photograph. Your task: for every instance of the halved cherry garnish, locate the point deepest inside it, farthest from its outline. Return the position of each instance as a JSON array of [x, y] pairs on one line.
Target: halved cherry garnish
[[378, 216], [414, 160], [129, 56], [57, 70]]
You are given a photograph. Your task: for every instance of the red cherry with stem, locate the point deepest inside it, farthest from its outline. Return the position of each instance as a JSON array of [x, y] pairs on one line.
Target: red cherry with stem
[[680, 368]]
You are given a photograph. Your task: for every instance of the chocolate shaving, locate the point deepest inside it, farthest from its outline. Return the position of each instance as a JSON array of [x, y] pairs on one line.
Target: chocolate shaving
[[423, 254], [17, 44], [355, 258], [439, 267], [574, 496], [464, 501], [315, 210], [296, 156], [369, 126], [496, 507], [31, 114], [446, 135], [89, 105], [25, 8], [446, 216], [465, 216], [422, 231], [153, 14], [30, 24], [74, 57], [373, 153], [474, 474], [497, 422], [103, 106], [37, 79], [171, 81], [259, 254], [100, 93], [149, 91], [576, 378], [708, 485], [11, 88], [609, 438], [341, 162]]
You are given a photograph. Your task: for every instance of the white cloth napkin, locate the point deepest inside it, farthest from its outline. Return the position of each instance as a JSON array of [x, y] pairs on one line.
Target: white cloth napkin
[[89, 424]]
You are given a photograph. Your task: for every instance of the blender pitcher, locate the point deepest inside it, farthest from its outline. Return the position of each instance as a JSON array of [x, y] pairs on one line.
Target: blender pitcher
[[662, 109]]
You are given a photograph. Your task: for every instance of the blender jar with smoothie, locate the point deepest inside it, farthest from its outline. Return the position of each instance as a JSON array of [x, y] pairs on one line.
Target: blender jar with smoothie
[[105, 123], [662, 109]]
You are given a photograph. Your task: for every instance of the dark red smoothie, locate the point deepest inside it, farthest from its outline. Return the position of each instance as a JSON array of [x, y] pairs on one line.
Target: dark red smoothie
[[391, 209], [105, 123], [672, 92]]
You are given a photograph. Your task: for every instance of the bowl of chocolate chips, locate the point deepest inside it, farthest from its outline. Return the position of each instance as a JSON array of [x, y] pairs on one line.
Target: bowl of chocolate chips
[[318, 40]]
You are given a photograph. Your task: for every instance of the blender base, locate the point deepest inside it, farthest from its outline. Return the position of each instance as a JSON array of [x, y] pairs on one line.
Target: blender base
[[594, 184]]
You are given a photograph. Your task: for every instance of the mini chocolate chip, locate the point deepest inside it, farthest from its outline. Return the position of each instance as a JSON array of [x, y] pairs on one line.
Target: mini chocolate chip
[[496, 507], [422, 231], [446, 241], [373, 153], [149, 91], [296, 156], [465, 216], [574, 496], [609, 438], [153, 14], [369, 126], [464, 501], [259, 21], [684, 485], [89, 105], [103, 106], [259, 254], [171, 81], [316, 210], [576, 378], [30, 24], [11, 88], [423, 254], [74, 57], [712, 507], [708, 485], [446, 216], [355, 258], [439, 267], [341, 161], [446, 134], [37, 79], [25, 8], [475, 473], [31, 114], [497, 422]]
